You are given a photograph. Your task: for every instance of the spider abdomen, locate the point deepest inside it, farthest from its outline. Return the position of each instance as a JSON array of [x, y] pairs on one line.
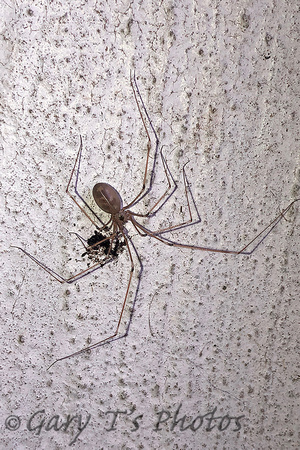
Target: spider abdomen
[[107, 198]]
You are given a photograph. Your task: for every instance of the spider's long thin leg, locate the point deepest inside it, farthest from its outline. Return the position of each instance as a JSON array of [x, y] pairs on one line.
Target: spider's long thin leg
[[84, 241], [182, 224], [165, 196], [115, 334], [267, 230], [169, 177], [256, 241], [77, 164], [136, 89], [78, 275]]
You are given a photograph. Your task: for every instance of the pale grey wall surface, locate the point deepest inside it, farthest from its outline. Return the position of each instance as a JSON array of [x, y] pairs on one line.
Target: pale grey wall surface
[[215, 334]]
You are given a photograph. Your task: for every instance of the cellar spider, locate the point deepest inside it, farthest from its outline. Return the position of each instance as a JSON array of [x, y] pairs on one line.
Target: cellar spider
[[111, 236]]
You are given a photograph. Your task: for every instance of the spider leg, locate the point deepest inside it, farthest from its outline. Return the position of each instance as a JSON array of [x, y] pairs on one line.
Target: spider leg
[[114, 336], [257, 240], [77, 164], [112, 237], [169, 177], [183, 224], [136, 226], [136, 93], [167, 171], [267, 230], [82, 240], [78, 275]]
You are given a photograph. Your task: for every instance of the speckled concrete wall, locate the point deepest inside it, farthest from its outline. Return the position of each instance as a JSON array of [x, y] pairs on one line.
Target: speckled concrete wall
[[211, 359]]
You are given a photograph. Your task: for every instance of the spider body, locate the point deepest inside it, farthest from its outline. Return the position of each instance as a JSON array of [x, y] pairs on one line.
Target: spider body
[[107, 198]]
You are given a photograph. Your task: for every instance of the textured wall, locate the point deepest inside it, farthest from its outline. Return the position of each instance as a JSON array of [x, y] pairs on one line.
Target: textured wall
[[212, 355]]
